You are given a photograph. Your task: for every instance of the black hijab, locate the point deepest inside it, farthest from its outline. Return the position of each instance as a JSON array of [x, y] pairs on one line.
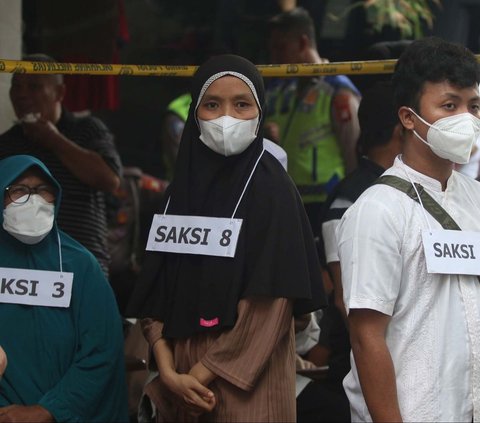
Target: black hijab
[[275, 255]]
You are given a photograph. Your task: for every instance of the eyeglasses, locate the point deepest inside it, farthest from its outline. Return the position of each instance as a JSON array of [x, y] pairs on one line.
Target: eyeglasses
[[20, 193]]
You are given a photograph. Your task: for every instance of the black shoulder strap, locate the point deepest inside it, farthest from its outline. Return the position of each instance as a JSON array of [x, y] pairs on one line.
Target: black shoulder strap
[[435, 209]]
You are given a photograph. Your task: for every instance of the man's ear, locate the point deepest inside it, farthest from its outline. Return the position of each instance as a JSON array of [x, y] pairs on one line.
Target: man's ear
[[60, 92], [406, 117]]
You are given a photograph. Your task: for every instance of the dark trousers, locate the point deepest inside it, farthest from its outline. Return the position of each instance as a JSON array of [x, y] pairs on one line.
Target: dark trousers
[[322, 401]]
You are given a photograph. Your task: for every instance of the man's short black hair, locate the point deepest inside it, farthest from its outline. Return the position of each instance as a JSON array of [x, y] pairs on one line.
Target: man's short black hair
[[41, 57], [433, 60], [377, 116], [297, 21], [382, 50]]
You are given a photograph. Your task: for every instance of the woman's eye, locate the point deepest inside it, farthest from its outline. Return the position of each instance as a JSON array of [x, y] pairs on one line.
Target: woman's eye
[[210, 105], [243, 105], [19, 191]]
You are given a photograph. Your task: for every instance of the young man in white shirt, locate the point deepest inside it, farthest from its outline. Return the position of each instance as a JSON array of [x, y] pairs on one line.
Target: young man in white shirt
[[415, 334]]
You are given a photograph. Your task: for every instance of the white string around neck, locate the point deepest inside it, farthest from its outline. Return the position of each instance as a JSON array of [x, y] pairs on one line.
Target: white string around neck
[[59, 251], [418, 196]]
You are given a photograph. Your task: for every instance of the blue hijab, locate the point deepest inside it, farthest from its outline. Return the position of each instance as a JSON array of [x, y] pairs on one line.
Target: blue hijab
[[68, 360], [14, 253]]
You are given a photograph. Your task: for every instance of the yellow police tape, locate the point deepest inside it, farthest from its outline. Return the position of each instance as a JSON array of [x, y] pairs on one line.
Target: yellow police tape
[[308, 69]]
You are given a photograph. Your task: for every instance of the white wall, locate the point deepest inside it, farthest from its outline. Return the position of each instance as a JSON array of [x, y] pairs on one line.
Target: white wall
[[10, 48]]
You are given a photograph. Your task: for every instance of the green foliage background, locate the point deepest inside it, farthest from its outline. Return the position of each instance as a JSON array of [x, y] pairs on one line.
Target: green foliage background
[[405, 15]]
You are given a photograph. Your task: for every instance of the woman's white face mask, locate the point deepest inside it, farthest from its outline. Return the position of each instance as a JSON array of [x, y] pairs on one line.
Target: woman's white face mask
[[452, 137], [31, 221], [227, 135]]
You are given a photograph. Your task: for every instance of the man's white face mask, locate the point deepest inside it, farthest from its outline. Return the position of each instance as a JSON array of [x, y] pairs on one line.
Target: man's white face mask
[[31, 221], [227, 135], [452, 137]]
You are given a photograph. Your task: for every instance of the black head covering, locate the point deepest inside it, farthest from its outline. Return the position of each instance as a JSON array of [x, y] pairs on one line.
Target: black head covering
[[275, 254], [377, 116]]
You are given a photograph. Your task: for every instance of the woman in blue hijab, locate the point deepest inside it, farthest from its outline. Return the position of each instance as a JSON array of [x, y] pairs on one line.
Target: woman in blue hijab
[[59, 323]]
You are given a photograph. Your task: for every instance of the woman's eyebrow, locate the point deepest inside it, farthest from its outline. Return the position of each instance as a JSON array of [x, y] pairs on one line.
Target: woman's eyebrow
[[242, 96], [211, 97]]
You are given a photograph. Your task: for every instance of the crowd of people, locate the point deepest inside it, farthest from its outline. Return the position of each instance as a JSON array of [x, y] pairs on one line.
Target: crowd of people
[[314, 257]]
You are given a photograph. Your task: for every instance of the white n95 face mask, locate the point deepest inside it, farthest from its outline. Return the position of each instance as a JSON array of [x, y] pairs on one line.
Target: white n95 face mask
[[452, 137], [31, 221], [227, 135]]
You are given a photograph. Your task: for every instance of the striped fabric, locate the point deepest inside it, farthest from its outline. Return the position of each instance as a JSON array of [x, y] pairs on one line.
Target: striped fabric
[[254, 362], [82, 212]]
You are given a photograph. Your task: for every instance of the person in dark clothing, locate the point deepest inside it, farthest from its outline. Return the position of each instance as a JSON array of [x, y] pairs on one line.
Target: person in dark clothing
[[79, 151], [379, 143]]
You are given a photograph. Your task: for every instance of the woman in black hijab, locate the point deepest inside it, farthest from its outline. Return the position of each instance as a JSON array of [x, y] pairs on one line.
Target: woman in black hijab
[[221, 327]]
